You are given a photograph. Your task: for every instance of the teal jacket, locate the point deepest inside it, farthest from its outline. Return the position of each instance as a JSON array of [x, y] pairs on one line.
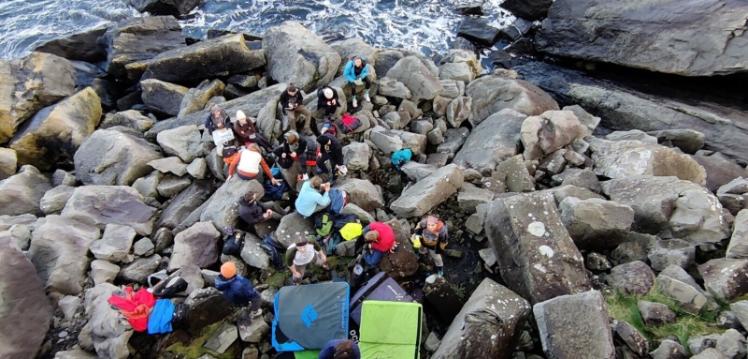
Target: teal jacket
[[350, 73]]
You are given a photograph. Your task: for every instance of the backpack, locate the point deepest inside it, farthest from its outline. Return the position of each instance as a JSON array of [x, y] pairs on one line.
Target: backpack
[[330, 128], [323, 225], [232, 246], [274, 193], [401, 156], [270, 246], [338, 200], [351, 231], [350, 123]]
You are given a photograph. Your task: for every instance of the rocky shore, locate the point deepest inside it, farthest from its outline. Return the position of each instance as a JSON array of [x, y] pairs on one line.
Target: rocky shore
[[588, 219]]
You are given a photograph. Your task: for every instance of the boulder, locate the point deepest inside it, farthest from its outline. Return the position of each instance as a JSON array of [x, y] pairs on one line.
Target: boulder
[[130, 118], [459, 111], [362, 193], [115, 244], [655, 313], [21, 192], [86, 46], [253, 254], [671, 207], [544, 134], [669, 349], [292, 228], [114, 156], [478, 31], [356, 156], [139, 270], [103, 271], [725, 278], [349, 48], [586, 312], [536, 256], [28, 85], [630, 336], [687, 140], [487, 326], [385, 140], [624, 108], [295, 54], [530, 10], [664, 253], [184, 142], [170, 185], [429, 192], [514, 175], [720, 170], [416, 142], [74, 354], [632, 278], [54, 200], [8, 162], [417, 77], [709, 353], [206, 59], [660, 38], [197, 98], [166, 7], [184, 204], [393, 88], [204, 307], [54, 133], [596, 223], [24, 306], [738, 247], [222, 207], [102, 205], [678, 285], [58, 249], [623, 159], [198, 245], [142, 38], [401, 264], [492, 94], [109, 330], [470, 196], [162, 96], [732, 344], [143, 247]]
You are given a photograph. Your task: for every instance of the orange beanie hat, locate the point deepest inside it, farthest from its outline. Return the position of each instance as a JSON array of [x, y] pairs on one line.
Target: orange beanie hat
[[228, 270]]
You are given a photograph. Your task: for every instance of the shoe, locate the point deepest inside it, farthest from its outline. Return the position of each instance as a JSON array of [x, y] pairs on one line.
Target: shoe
[[355, 103], [366, 97]]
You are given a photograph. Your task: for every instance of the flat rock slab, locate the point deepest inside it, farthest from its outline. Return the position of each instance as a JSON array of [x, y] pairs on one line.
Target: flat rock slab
[[429, 192]]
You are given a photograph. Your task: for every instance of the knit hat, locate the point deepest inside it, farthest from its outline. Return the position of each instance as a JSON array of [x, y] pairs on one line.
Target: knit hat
[[327, 92], [304, 257], [291, 134], [228, 270], [240, 115]]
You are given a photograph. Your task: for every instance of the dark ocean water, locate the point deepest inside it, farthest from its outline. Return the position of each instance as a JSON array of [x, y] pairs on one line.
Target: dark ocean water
[[427, 25]]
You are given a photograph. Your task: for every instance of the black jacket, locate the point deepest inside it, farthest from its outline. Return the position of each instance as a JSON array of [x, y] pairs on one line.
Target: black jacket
[[251, 213], [286, 148], [285, 99], [322, 100], [335, 151]]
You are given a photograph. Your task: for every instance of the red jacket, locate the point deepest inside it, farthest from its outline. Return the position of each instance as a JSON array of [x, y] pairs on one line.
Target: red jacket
[[386, 236]]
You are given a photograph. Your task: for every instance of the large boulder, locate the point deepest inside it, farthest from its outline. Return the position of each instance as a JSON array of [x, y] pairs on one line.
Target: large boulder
[[720, 170], [166, 7], [198, 245], [725, 278], [417, 77], [587, 314], [115, 244], [8, 162], [88, 45], [21, 192], [429, 192], [492, 141], [109, 330], [114, 156], [54, 200], [58, 251], [486, 326], [55, 132], [292, 228], [622, 108], [662, 36], [530, 10], [184, 141], [197, 98], [295, 54], [142, 39], [671, 208], [28, 84], [675, 283], [349, 48], [253, 254], [356, 156], [130, 118], [162, 96], [493, 93], [622, 159], [536, 256], [227, 54], [595, 223], [738, 247], [102, 205], [632, 278], [183, 204], [24, 306], [362, 193], [222, 208], [550, 131]]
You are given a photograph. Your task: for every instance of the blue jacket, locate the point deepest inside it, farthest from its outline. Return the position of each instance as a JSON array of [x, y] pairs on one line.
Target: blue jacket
[[350, 74], [309, 199], [238, 290]]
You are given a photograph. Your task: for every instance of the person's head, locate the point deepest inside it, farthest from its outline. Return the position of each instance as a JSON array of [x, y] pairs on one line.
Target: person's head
[[344, 350], [327, 91], [324, 141], [215, 111], [292, 137], [292, 89], [433, 224], [228, 270], [358, 61], [241, 117], [316, 182], [371, 236], [250, 197]]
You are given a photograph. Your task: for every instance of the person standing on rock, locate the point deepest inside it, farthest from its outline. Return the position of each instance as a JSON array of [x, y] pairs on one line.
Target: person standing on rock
[[434, 236], [310, 200], [245, 131], [248, 163], [237, 289], [380, 240], [301, 254], [356, 73], [327, 103], [217, 115], [294, 110]]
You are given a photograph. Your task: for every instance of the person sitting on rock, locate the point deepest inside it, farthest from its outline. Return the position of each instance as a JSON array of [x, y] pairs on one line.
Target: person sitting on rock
[[434, 236], [235, 288], [310, 160], [310, 200], [340, 349], [216, 114], [252, 212], [301, 254], [327, 103], [248, 163], [293, 108], [380, 240], [332, 150], [223, 138], [356, 73], [290, 149], [245, 130]]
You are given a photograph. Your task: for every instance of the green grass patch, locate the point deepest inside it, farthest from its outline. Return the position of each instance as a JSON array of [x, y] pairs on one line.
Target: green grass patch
[[195, 348], [625, 307]]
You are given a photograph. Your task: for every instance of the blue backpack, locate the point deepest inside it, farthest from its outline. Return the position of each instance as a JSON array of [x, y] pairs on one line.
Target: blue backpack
[[337, 200], [401, 156]]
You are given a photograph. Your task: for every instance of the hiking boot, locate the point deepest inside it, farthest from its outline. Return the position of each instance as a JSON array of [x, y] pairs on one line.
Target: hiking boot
[[355, 103], [366, 96]]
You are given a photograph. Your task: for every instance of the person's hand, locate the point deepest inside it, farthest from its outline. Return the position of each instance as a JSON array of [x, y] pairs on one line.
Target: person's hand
[[333, 102], [283, 155], [268, 214], [275, 182], [293, 154]]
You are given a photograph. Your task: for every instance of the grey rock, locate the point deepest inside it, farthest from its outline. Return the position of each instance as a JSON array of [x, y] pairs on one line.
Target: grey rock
[[83, 46], [459, 111], [487, 324], [161, 96], [689, 141], [514, 174], [166, 7], [292, 228], [110, 331], [148, 186], [632, 135], [22, 192], [63, 178], [143, 247], [671, 252], [584, 178], [740, 308], [428, 193], [197, 98], [183, 204], [633, 339], [732, 344], [254, 331], [115, 244], [170, 185], [562, 192], [675, 283], [171, 165], [720, 170], [725, 278], [454, 141], [492, 94], [587, 119], [253, 254], [130, 118], [139, 270], [545, 133], [738, 247], [393, 88], [54, 200], [526, 231], [102, 205], [632, 278], [222, 207], [362, 193], [417, 77], [360, 213], [492, 141], [184, 142], [356, 156], [587, 310], [530, 10], [103, 271], [488, 256], [451, 89], [8, 162], [204, 307], [74, 354], [114, 156], [597, 262], [223, 338], [142, 39], [385, 140], [417, 171], [198, 168], [595, 223], [198, 245], [416, 142], [432, 342], [655, 313], [669, 349], [470, 196]]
